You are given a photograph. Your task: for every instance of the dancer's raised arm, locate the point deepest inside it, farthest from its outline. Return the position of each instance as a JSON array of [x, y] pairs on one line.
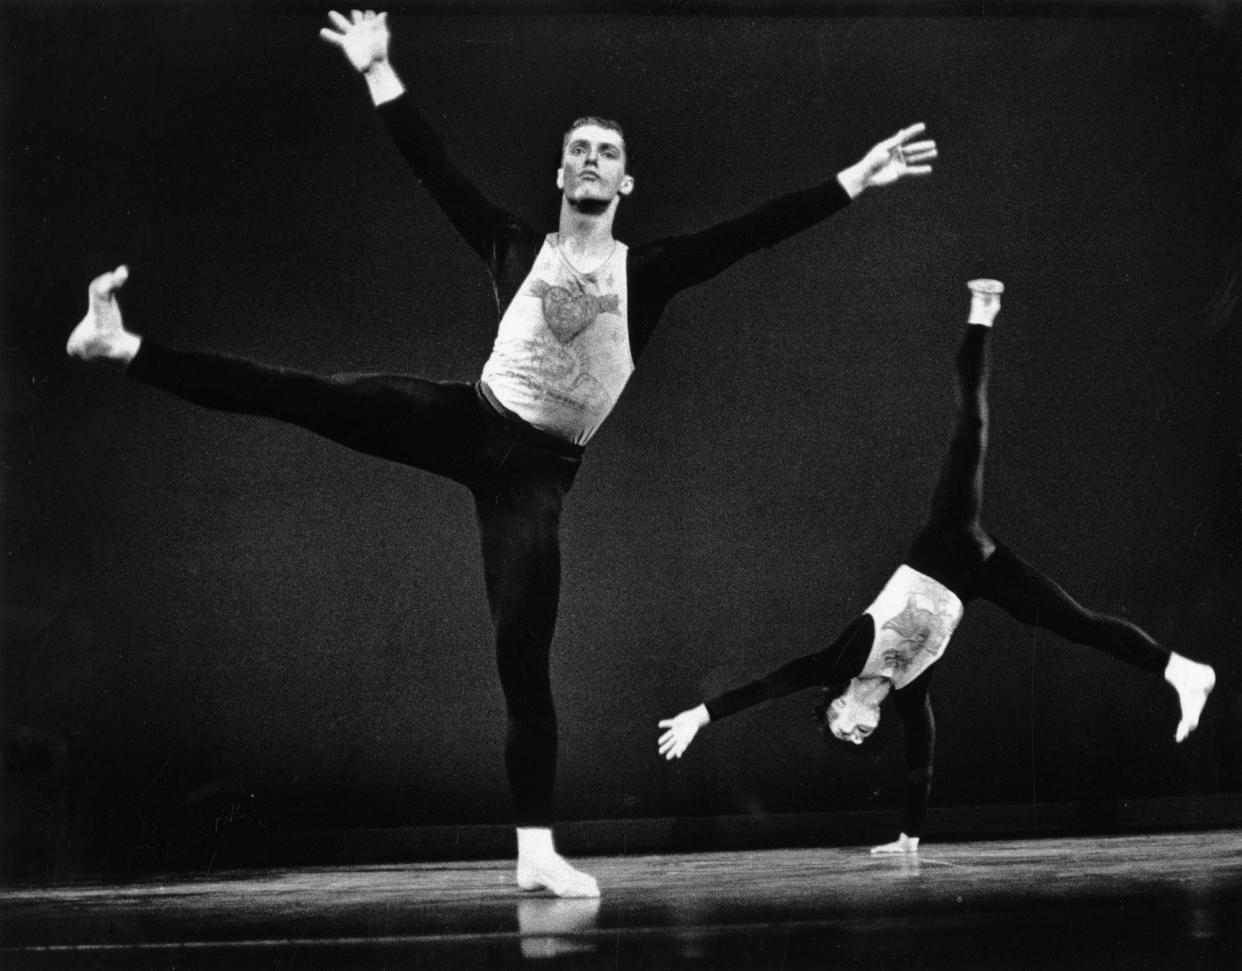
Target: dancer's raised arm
[[665, 267], [364, 39]]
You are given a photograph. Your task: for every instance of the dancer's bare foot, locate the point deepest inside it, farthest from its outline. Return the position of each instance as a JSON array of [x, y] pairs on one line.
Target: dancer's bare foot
[[540, 867], [907, 845], [101, 336], [553, 873], [984, 301], [1193, 682]]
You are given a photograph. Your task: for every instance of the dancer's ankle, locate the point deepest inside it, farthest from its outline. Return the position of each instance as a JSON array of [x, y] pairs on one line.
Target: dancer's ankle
[[534, 842]]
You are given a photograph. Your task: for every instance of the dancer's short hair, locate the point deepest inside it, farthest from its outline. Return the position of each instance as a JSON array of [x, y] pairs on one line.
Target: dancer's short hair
[[831, 693], [599, 122]]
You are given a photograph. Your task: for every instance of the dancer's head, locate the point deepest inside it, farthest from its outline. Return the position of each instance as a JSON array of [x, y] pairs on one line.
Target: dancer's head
[[594, 164], [853, 714]]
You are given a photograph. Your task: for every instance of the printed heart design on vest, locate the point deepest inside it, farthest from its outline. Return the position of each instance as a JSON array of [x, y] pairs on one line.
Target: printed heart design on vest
[[568, 315]]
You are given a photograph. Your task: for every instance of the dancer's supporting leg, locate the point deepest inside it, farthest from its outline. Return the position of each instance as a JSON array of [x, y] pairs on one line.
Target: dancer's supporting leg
[[518, 518], [519, 480]]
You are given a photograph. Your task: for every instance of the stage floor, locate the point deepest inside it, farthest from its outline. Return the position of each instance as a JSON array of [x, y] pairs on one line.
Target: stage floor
[[1157, 901]]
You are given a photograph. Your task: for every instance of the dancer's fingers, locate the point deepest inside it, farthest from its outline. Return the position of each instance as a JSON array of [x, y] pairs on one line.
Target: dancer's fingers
[[904, 135], [341, 21]]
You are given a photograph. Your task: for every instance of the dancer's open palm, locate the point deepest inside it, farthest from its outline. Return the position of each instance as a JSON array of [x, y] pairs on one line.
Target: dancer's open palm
[[362, 36], [681, 731], [897, 156]]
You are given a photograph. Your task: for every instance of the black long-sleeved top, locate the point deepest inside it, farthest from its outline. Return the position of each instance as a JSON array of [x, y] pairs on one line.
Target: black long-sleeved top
[[656, 271], [837, 664]]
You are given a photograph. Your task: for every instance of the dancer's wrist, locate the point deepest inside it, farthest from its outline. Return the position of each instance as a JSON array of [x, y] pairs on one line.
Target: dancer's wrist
[[382, 81]]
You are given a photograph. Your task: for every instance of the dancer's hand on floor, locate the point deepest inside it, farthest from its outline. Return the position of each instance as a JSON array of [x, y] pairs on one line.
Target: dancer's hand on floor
[[681, 731], [903, 844]]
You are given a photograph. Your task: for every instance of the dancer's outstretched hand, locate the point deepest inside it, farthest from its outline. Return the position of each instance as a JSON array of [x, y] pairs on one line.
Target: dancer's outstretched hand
[[890, 160], [681, 731], [362, 36], [903, 844]]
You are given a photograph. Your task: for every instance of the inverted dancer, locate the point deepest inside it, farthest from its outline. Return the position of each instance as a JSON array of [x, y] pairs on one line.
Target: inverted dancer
[[891, 648], [576, 308]]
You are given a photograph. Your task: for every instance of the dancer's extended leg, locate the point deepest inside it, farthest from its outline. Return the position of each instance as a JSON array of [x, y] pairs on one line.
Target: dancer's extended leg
[[431, 425], [1033, 598], [954, 543], [1005, 579]]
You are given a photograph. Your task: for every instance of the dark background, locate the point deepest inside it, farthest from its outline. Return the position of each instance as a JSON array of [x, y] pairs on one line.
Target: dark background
[[202, 610]]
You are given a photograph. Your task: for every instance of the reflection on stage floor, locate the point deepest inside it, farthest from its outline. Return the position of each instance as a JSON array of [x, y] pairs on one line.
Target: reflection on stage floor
[[1156, 901]]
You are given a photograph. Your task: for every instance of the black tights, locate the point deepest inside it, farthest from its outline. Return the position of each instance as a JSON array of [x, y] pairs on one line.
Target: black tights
[[956, 550], [519, 478]]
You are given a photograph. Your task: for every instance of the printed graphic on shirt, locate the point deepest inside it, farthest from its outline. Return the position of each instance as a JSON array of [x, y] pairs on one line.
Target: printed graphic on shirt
[[568, 314], [914, 616], [914, 627], [562, 352]]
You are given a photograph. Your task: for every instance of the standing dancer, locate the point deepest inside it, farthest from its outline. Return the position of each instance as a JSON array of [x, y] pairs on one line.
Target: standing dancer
[[577, 307], [892, 646]]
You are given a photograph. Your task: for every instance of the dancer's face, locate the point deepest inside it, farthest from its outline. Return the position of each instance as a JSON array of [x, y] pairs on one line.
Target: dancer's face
[[854, 715], [593, 166]]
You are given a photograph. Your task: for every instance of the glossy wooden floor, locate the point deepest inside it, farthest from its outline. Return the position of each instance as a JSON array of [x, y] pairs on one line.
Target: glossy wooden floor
[[1162, 901]]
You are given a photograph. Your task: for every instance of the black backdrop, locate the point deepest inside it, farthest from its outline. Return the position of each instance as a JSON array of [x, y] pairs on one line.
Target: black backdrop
[[197, 606]]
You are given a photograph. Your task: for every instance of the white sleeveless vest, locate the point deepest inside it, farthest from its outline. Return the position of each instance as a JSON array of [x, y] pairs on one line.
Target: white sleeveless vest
[[914, 618], [562, 353]]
